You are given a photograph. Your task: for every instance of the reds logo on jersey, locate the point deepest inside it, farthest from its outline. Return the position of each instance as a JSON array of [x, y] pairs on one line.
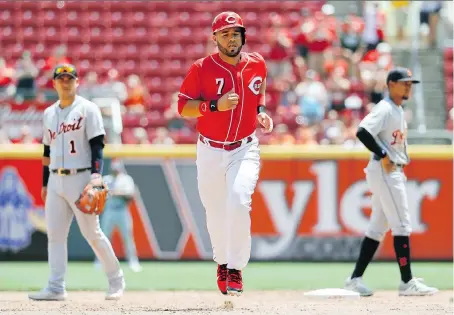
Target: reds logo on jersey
[[64, 128], [398, 136], [255, 85]]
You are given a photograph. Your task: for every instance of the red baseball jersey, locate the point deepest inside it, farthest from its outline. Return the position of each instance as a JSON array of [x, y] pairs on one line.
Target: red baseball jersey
[[209, 78]]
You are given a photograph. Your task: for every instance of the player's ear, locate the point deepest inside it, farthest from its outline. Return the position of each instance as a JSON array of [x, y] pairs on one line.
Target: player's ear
[[214, 38], [77, 82], [53, 84], [243, 34]]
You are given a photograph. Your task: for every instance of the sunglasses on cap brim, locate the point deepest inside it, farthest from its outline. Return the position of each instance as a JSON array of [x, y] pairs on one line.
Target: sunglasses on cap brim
[[64, 69]]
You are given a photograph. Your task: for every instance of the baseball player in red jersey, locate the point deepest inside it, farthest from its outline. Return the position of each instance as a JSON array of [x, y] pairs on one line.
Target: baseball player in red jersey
[[226, 92]]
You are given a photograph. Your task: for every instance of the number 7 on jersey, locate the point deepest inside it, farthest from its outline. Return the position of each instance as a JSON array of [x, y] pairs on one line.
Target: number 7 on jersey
[[220, 84]]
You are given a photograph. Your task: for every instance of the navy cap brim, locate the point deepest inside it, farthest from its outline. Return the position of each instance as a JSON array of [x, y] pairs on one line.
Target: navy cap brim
[[66, 73], [408, 80]]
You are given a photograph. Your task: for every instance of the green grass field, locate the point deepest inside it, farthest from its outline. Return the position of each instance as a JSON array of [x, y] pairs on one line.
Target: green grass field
[[19, 276]]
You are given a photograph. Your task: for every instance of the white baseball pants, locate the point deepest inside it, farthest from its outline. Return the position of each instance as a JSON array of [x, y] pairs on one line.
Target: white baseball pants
[[389, 202], [226, 182], [62, 192]]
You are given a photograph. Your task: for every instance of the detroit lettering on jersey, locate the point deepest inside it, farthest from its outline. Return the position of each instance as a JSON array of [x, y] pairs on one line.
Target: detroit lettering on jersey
[[68, 131], [386, 122], [64, 128], [399, 137], [209, 78]]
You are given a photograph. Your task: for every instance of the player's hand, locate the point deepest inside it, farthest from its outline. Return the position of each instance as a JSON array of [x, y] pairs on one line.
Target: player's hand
[[228, 101], [388, 166], [96, 180], [44, 193], [266, 121]]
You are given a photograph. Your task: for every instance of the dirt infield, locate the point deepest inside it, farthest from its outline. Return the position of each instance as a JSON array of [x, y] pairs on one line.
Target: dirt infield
[[196, 302]]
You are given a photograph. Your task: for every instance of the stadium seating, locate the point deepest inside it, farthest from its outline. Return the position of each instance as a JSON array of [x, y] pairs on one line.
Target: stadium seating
[[157, 40], [130, 27]]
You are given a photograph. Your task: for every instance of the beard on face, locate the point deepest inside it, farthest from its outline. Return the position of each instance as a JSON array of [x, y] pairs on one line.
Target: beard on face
[[230, 52]]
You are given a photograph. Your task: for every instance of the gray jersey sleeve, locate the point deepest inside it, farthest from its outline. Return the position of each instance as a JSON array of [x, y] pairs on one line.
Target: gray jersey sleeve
[[46, 134], [376, 120], [95, 125]]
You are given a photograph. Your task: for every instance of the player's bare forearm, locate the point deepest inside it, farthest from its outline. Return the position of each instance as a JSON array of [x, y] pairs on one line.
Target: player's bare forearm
[[191, 109], [263, 118], [46, 161], [261, 106], [263, 88], [262, 91]]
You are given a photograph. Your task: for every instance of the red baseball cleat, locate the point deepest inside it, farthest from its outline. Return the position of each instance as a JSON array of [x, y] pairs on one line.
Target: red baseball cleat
[[234, 282], [222, 278]]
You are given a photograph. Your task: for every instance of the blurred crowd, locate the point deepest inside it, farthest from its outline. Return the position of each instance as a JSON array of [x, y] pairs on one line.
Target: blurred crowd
[[324, 75]]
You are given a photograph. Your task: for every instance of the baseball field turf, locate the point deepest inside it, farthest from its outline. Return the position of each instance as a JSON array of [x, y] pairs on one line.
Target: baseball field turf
[[190, 288], [20, 276]]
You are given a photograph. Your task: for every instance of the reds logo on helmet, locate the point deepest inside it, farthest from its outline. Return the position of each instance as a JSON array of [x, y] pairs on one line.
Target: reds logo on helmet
[[227, 20]]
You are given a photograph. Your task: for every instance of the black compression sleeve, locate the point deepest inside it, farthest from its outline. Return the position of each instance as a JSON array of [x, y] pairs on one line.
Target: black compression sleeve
[[46, 151], [369, 142], [97, 146], [45, 175], [46, 167]]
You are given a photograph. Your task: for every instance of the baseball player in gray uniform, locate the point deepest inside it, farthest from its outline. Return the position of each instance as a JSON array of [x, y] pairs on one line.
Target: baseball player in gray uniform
[[116, 212], [383, 131], [73, 138]]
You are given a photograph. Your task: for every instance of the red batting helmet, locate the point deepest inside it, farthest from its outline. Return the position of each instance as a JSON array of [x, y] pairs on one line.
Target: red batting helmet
[[228, 19]]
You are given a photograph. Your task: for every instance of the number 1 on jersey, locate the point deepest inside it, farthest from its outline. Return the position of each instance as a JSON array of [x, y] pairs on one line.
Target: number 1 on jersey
[[73, 146], [220, 83]]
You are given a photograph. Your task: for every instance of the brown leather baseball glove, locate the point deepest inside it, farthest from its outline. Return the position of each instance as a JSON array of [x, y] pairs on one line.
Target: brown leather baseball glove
[[93, 199]]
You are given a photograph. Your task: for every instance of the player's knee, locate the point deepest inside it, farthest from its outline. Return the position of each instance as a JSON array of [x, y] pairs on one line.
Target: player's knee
[[401, 230], [92, 235], [239, 200]]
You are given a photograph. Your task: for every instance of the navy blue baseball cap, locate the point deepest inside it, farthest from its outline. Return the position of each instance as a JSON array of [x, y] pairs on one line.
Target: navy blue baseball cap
[[65, 69], [400, 74]]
